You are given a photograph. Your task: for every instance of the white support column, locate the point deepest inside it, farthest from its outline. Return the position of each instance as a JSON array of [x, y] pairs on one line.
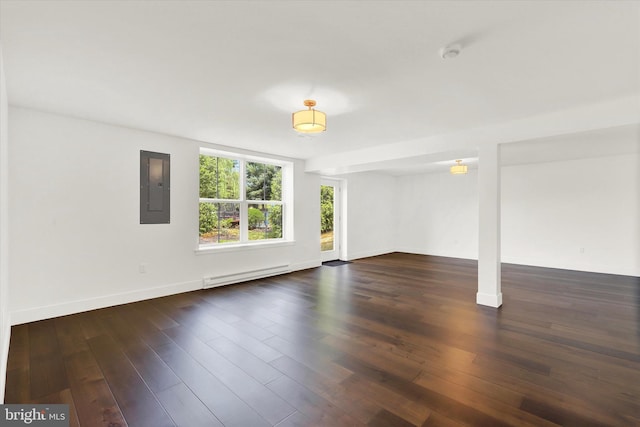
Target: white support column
[[489, 288]]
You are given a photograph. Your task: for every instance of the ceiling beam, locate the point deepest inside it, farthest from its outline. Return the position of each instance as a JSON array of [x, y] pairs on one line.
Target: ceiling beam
[[618, 112]]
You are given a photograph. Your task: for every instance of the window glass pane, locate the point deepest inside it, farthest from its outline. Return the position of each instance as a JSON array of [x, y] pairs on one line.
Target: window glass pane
[[264, 182], [326, 218], [219, 178], [274, 221], [265, 221], [219, 223]]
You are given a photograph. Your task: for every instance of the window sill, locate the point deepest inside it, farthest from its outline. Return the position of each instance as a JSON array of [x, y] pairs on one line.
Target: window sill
[[239, 247]]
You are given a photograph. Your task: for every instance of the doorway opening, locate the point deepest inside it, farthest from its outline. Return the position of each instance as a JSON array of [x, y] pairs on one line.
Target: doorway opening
[[329, 219]]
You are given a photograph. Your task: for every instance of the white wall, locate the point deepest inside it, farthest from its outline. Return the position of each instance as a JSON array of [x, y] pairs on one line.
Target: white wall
[[579, 214], [437, 214], [5, 324], [76, 241], [74, 219], [371, 209]]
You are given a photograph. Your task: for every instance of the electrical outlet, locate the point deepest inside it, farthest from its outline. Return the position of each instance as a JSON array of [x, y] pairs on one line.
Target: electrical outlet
[[142, 268]]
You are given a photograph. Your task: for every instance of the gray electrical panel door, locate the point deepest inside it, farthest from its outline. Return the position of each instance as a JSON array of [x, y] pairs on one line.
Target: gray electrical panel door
[[154, 188]]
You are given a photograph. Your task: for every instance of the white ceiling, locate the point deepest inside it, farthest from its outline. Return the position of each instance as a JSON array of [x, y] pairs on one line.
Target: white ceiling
[[231, 72]]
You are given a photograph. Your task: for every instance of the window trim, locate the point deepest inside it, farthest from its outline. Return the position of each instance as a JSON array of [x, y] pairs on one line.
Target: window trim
[[239, 247], [286, 202]]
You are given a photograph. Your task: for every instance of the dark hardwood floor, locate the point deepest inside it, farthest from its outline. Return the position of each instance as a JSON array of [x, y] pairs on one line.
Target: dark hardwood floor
[[394, 340]]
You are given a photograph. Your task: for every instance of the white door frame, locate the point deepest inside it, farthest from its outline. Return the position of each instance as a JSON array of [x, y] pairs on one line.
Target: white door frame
[[337, 217]]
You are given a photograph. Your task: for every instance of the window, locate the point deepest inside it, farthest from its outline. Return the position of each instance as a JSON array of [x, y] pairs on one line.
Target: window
[[241, 199]]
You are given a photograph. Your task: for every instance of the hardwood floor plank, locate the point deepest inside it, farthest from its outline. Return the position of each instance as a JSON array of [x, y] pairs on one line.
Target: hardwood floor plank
[[136, 401], [252, 330], [395, 339], [257, 368], [378, 357], [156, 317], [249, 343], [385, 418], [437, 420], [360, 407], [318, 411], [70, 335], [187, 316], [621, 356], [19, 355], [185, 408], [211, 303], [222, 402], [47, 373], [260, 398], [315, 355], [432, 400], [295, 333], [547, 389], [389, 400], [155, 373], [62, 397], [90, 323], [18, 385], [557, 415], [94, 402], [295, 420], [483, 400]]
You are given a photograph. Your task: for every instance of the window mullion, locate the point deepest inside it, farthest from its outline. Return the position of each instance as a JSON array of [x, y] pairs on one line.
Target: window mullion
[[244, 216], [204, 199]]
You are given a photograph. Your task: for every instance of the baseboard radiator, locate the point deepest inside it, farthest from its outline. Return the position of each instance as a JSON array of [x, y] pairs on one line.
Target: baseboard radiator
[[228, 279]]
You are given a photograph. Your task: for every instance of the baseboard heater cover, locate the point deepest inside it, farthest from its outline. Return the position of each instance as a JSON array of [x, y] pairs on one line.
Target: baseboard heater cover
[[228, 279]]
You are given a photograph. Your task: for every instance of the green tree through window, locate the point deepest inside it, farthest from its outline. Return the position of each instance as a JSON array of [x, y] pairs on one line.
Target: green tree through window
[[326, 209], [223, 203], [219, 178], [264, 184]]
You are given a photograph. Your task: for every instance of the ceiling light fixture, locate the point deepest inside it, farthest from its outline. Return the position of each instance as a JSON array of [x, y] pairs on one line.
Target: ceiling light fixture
[[458, 168], [309, 121], [450, 52]]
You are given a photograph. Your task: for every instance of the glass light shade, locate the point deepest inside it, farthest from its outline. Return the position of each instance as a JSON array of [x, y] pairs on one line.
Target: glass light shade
[[458, 168], [309, 121]]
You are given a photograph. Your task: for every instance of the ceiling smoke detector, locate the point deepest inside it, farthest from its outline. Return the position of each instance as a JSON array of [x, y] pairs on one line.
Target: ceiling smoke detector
[[450, 52]]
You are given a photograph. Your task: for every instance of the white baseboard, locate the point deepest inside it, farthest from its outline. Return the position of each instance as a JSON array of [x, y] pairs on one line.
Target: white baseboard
[[489, 300], [622, 270], [367, 254], [306, 265], [55, 310], [422, 251], [78, 306]]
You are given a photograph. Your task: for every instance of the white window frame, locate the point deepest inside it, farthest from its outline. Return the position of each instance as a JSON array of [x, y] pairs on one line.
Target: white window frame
[[286, 202]]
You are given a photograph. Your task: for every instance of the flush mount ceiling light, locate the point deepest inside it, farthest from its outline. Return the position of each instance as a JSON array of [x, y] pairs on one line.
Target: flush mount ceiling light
[[309, 121], [450, 52], [458, 168]]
